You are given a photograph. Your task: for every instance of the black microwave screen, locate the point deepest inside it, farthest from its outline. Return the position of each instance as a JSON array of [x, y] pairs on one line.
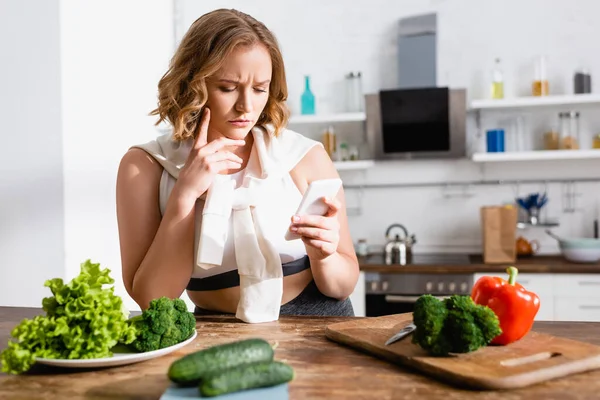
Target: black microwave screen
[[415, 120]]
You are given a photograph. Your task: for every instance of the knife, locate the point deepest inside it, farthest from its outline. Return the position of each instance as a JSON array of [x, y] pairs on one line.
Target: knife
[[407, 330]]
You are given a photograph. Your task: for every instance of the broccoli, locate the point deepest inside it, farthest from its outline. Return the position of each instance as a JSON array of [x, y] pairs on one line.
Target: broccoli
[[454, 325], [164, 323]]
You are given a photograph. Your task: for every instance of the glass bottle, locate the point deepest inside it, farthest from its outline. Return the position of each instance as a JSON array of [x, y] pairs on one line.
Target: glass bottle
[[497, 87], [330, 142], [540, 86], [307, 99]]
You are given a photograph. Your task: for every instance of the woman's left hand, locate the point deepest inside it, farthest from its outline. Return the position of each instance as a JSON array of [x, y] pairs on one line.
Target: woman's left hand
[[321, 234]]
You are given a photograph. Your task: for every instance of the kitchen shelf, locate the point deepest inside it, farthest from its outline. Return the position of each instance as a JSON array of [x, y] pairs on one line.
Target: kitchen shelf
[[325, 118], [545, 224], [537, 155], [353, 165], [533, 101]]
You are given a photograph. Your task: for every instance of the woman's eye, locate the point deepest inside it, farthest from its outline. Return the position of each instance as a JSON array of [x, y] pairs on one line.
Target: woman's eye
[[260, 90], [227, 89]]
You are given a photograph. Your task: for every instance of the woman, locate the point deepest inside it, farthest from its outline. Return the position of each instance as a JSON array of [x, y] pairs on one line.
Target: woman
[[205, 208]]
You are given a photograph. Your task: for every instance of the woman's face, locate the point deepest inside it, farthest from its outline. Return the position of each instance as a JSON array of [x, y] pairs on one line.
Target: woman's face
[[238, 92]]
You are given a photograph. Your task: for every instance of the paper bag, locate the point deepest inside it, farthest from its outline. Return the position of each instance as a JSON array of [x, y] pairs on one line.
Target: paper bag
[[499, 227]]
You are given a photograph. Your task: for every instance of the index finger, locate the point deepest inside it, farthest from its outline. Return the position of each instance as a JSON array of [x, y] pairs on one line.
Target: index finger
[[202, 136]]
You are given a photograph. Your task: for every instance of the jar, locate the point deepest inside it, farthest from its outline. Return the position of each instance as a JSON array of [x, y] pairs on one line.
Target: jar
[[344, 153], [582, 81], [495, 141], [540, 86], [354, 93], [596, 142], [361, 248], [353, 151], [569, 130], [552, 140]]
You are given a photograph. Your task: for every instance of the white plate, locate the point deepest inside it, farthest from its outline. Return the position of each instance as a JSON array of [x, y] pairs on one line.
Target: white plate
[[116, 359]]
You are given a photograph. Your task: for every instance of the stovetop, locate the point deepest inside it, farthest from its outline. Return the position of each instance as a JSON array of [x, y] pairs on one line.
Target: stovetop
[[425, 259], [449, 259]]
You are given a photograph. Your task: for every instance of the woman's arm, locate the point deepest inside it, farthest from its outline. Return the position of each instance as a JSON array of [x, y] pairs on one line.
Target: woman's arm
[[336, 274], [156, 255]]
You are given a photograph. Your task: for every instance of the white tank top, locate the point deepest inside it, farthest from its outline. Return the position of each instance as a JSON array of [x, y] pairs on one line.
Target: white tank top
[[276, 211]]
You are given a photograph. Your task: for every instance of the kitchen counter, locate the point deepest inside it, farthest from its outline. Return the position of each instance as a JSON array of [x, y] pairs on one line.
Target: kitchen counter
[[474, 263], [324, 369]]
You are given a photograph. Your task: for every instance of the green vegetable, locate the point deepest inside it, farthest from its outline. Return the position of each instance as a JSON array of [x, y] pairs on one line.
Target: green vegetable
[[455, 325], [164, 323], [192, 368], [245, 377], [83, 320]]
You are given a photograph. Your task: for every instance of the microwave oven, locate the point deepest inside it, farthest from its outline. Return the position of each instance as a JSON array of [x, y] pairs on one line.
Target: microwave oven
[[416, 123]]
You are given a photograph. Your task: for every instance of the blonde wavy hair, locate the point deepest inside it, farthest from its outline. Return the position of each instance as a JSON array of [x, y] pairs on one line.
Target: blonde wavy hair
[[211, 38]]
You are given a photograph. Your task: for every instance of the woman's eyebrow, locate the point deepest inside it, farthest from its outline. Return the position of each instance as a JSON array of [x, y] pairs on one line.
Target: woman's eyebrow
[[237, 82]]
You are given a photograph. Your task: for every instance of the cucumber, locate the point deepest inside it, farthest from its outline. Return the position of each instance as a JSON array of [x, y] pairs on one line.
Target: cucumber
[[249, 376], [192, 368]]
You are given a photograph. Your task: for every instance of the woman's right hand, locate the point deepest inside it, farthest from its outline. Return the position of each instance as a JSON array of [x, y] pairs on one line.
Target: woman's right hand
[[205, 161]]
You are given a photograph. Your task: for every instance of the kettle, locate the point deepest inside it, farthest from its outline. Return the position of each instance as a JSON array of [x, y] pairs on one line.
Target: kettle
[[526, 248], [397, 250]]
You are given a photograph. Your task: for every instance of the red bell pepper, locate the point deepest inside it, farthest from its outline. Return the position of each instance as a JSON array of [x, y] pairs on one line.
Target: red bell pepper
[[515, 307]]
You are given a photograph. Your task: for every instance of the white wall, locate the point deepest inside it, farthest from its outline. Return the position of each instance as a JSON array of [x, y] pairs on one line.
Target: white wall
[[31, 186], [113, 55], [78, 81]]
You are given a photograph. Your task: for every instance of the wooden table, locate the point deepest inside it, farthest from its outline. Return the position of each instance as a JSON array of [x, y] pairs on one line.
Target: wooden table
[[324, 370]]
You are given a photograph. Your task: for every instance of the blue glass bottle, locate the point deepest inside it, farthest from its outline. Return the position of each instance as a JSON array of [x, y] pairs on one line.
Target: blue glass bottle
[[307, 99]]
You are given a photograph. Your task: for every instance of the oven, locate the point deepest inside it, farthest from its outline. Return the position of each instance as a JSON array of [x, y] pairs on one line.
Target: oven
[[396, 293]]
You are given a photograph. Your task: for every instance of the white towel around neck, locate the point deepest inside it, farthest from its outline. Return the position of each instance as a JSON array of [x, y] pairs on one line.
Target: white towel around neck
[[259, 263]]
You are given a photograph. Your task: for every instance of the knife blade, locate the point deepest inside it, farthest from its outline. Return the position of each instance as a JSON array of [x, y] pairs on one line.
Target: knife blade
[[407, 330]]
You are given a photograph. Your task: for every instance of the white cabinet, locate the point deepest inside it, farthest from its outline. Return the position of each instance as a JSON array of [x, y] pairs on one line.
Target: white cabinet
[[578, 285], [358, 296], [577, 297], [577, 309]]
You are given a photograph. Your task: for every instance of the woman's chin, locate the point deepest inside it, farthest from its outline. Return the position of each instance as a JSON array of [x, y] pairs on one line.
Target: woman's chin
[[237, 133]]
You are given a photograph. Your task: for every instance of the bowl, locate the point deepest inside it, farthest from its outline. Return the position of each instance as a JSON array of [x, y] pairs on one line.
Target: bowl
[[583, 250]]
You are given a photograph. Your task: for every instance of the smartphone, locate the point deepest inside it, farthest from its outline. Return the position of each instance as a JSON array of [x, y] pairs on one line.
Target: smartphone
[[312, 202]]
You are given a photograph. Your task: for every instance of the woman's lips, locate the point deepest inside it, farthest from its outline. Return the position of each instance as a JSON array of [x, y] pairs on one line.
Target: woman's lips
[[240, 123]]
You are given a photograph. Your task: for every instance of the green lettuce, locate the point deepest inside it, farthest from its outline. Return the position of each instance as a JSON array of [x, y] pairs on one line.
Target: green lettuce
[[83, 320]]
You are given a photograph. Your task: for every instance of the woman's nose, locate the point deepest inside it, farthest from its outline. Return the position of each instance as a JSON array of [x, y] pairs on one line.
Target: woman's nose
[[244, 103]]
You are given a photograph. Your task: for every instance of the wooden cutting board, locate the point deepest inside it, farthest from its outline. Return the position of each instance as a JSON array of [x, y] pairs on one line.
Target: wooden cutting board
[[535, 358]]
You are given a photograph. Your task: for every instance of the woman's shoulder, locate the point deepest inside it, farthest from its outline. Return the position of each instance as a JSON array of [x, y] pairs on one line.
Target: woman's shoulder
[[137, 167], [167, 152]]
